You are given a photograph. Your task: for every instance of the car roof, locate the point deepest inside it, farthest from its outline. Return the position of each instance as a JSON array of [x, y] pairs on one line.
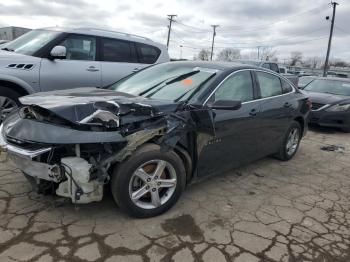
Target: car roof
[[333, 78], [105, 33], [217, 65]]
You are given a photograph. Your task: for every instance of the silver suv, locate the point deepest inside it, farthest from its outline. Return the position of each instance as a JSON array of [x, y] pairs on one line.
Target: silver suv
[[60, 58]]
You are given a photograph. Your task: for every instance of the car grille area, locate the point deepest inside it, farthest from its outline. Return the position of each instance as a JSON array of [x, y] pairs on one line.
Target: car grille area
[[316, 106], [23, 144]]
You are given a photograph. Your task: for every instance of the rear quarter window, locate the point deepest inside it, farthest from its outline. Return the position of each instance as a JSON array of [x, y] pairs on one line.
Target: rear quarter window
[[270, 85], [286, 87], [147, 54]]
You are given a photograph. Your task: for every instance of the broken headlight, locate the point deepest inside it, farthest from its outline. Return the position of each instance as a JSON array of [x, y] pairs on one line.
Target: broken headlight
[[338, 108], [102, 117]]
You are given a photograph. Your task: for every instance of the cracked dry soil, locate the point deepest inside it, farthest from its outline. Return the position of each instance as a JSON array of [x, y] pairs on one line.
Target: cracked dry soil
[[266, 211]]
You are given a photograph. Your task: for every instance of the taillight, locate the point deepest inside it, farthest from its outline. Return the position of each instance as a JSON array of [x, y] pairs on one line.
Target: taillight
[[309, 103]]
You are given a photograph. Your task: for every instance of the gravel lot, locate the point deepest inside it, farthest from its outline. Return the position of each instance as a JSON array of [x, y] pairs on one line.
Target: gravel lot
[[269, 210]]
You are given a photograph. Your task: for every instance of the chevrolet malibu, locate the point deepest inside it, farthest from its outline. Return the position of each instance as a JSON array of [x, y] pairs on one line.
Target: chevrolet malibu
[[152, 133]]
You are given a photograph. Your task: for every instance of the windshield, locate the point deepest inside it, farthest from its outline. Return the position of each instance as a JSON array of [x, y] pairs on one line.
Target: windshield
[[330, 87], [169, 81], [30, 42], [304, 81]]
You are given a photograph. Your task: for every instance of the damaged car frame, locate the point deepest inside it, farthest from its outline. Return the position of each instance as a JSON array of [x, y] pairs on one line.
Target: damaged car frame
[[152, 133]]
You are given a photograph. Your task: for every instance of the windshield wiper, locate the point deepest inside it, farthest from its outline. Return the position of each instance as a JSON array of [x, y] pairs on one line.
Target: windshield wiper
[[168, 81], [7, 49], [196, 89]]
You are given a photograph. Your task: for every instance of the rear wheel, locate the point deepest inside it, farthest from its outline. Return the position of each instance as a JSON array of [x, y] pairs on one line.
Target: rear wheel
[[290, 143], [346, 129], [149, 182], [8, 102]]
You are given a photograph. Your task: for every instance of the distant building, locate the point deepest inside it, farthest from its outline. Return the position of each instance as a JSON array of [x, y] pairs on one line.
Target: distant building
[[12, 32]]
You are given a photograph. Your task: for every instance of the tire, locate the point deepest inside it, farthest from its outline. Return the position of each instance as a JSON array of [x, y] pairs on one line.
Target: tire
[[149, 157], [346, 129], [284, 154], [10, 96]]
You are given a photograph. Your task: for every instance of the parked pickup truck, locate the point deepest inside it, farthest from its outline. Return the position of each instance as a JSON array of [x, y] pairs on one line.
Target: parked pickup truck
[[274, 67], [60, 58]]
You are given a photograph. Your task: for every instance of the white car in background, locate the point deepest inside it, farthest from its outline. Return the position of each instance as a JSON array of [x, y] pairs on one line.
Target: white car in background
[[59, 58]]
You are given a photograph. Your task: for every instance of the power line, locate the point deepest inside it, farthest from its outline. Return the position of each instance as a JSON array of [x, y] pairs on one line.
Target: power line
[[192, 46], [259, 27], [194, 29], [341, 29], [272, 40]]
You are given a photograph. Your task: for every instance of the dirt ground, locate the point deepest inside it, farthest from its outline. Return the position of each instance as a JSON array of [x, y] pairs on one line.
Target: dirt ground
[[266, 211]]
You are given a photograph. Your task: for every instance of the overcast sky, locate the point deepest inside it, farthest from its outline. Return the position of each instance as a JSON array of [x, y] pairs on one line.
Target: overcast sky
[[284, 25]]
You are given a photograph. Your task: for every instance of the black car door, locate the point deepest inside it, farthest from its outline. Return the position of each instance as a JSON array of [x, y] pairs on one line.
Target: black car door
[[276, 109], [237, 131]]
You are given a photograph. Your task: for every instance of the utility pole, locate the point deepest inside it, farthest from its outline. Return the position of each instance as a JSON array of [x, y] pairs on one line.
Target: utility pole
[[171, 19], [258, 52], [212, 43], [181, 51], [334, 4]]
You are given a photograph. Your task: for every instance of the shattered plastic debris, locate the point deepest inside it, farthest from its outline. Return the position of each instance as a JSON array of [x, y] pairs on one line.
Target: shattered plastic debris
[[333, 148]]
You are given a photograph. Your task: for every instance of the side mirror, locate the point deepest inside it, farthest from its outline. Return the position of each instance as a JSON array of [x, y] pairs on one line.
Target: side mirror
[[58, 52], [227, 105]]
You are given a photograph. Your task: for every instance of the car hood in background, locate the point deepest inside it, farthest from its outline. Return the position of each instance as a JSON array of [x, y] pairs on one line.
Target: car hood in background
[[12, 55], [324, 98]]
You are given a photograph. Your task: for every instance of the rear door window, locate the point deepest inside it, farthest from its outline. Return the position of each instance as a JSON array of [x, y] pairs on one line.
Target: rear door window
[[270, 85], [114, 50], [147, 54]]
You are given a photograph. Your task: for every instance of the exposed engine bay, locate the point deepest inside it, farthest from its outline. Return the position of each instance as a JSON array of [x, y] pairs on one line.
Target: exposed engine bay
[[72, 141]]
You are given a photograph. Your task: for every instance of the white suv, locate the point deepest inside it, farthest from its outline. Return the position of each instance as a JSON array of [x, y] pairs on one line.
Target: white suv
[[59, 58]]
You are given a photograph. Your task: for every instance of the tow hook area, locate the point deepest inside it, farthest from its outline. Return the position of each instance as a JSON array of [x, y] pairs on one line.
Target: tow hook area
[[78, 186]]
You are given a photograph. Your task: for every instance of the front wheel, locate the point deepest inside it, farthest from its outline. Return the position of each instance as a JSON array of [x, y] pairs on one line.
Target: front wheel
[[149, 183], [290, 143], [346, 129], [8, 102]]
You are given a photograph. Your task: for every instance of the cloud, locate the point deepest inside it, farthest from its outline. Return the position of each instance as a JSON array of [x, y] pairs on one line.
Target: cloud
[[284, 25]]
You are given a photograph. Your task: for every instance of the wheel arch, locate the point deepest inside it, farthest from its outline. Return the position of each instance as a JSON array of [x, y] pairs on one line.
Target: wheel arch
[[15, 87], [301, 122], [16, 84]]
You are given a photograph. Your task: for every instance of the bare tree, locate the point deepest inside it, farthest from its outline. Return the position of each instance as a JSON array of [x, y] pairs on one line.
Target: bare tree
[[295, 57], [204, 55], [268, 54], [338, 63], [229, 54], [313, 62], [249, 55]]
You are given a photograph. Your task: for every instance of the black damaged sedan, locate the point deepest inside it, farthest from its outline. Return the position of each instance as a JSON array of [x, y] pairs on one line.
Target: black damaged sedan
[[154, 132], [330, 99]]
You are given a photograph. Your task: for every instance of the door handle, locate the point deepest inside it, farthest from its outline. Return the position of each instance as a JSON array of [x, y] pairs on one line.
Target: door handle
[[287, 105], [92, 69], [136, 69], [253, 112]]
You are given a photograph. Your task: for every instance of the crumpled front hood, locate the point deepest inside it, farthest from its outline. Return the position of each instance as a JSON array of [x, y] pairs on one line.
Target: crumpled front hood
[[76, 105]]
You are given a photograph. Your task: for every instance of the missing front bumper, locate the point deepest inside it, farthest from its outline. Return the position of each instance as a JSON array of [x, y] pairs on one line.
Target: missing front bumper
[[36, 169]]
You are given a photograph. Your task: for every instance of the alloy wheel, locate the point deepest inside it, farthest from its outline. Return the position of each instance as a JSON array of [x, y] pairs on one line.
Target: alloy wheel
[[7, 105], [152, 184], [293, 141]]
